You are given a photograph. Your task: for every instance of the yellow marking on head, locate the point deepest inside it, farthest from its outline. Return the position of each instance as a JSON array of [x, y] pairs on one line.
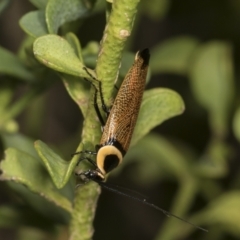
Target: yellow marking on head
[[136, 56], [101, 175], [102, 155]]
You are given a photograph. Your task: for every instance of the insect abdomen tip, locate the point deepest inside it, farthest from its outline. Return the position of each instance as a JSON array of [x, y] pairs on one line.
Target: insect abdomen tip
[[145, 55]]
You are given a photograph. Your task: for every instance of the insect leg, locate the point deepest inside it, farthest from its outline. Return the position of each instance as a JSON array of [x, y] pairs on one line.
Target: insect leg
[[88, 159], [104, 107], [96, 105], [85, 151]]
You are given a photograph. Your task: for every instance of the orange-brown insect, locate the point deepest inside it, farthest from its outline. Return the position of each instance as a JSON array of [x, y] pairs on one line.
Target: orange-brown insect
[[118, 130]]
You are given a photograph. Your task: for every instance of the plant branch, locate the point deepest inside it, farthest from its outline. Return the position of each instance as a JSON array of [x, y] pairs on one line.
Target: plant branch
[[116, 33], [118, 29]]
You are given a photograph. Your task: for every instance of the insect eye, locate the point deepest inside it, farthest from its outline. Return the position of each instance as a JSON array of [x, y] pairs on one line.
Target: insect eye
[[111, 161]]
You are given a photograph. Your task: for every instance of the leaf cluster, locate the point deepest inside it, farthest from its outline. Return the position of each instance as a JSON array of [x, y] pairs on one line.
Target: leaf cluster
[[43, 180]]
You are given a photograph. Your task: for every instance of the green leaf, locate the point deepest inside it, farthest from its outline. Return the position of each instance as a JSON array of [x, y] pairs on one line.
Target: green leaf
[[224, 213], [212, 82], [173, 56], [25, 51], [25, 144], [39, 3], [56, 53], [75, 44], [90, 53], [158, 158], [157, 106], [214, 162], [59, 12], [12, 66], [12, 110], [23, 168], [236, 124], [79, 90], [34, 24], [20, 142], [59, 169]]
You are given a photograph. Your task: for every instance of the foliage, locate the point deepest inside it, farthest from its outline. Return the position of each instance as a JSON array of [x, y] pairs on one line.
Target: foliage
[[44, 180]]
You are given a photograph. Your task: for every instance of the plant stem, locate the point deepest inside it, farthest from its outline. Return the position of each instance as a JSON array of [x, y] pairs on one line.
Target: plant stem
[[85, 206], [117, 31], [86, 195]]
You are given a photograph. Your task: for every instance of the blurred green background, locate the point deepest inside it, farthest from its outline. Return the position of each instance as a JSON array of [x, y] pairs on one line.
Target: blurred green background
[[188, 165]]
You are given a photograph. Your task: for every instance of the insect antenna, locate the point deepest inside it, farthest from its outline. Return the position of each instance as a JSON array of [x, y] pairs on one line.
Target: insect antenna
[[144, 201], [117, 187]]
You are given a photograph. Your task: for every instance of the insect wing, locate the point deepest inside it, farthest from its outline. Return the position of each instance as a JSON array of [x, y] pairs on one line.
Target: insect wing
[[123, 115]]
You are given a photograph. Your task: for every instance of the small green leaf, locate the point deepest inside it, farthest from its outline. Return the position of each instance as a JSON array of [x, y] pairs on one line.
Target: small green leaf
[[25, 144], [59, 12], [21, 167], [214, 162], [173, 56], [11, 126], [236, 124], [25, 51], [79, 90], [11, 111], [157, 106], [59, 170], [20, 142], [12, 66], [56, 53], [224, 213], [75, 44], [34, 24], [39, 3], [211, 77], [90, 53]]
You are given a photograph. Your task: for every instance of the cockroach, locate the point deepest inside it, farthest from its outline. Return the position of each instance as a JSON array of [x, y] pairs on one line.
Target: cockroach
[[118, 129], [122, 118]]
